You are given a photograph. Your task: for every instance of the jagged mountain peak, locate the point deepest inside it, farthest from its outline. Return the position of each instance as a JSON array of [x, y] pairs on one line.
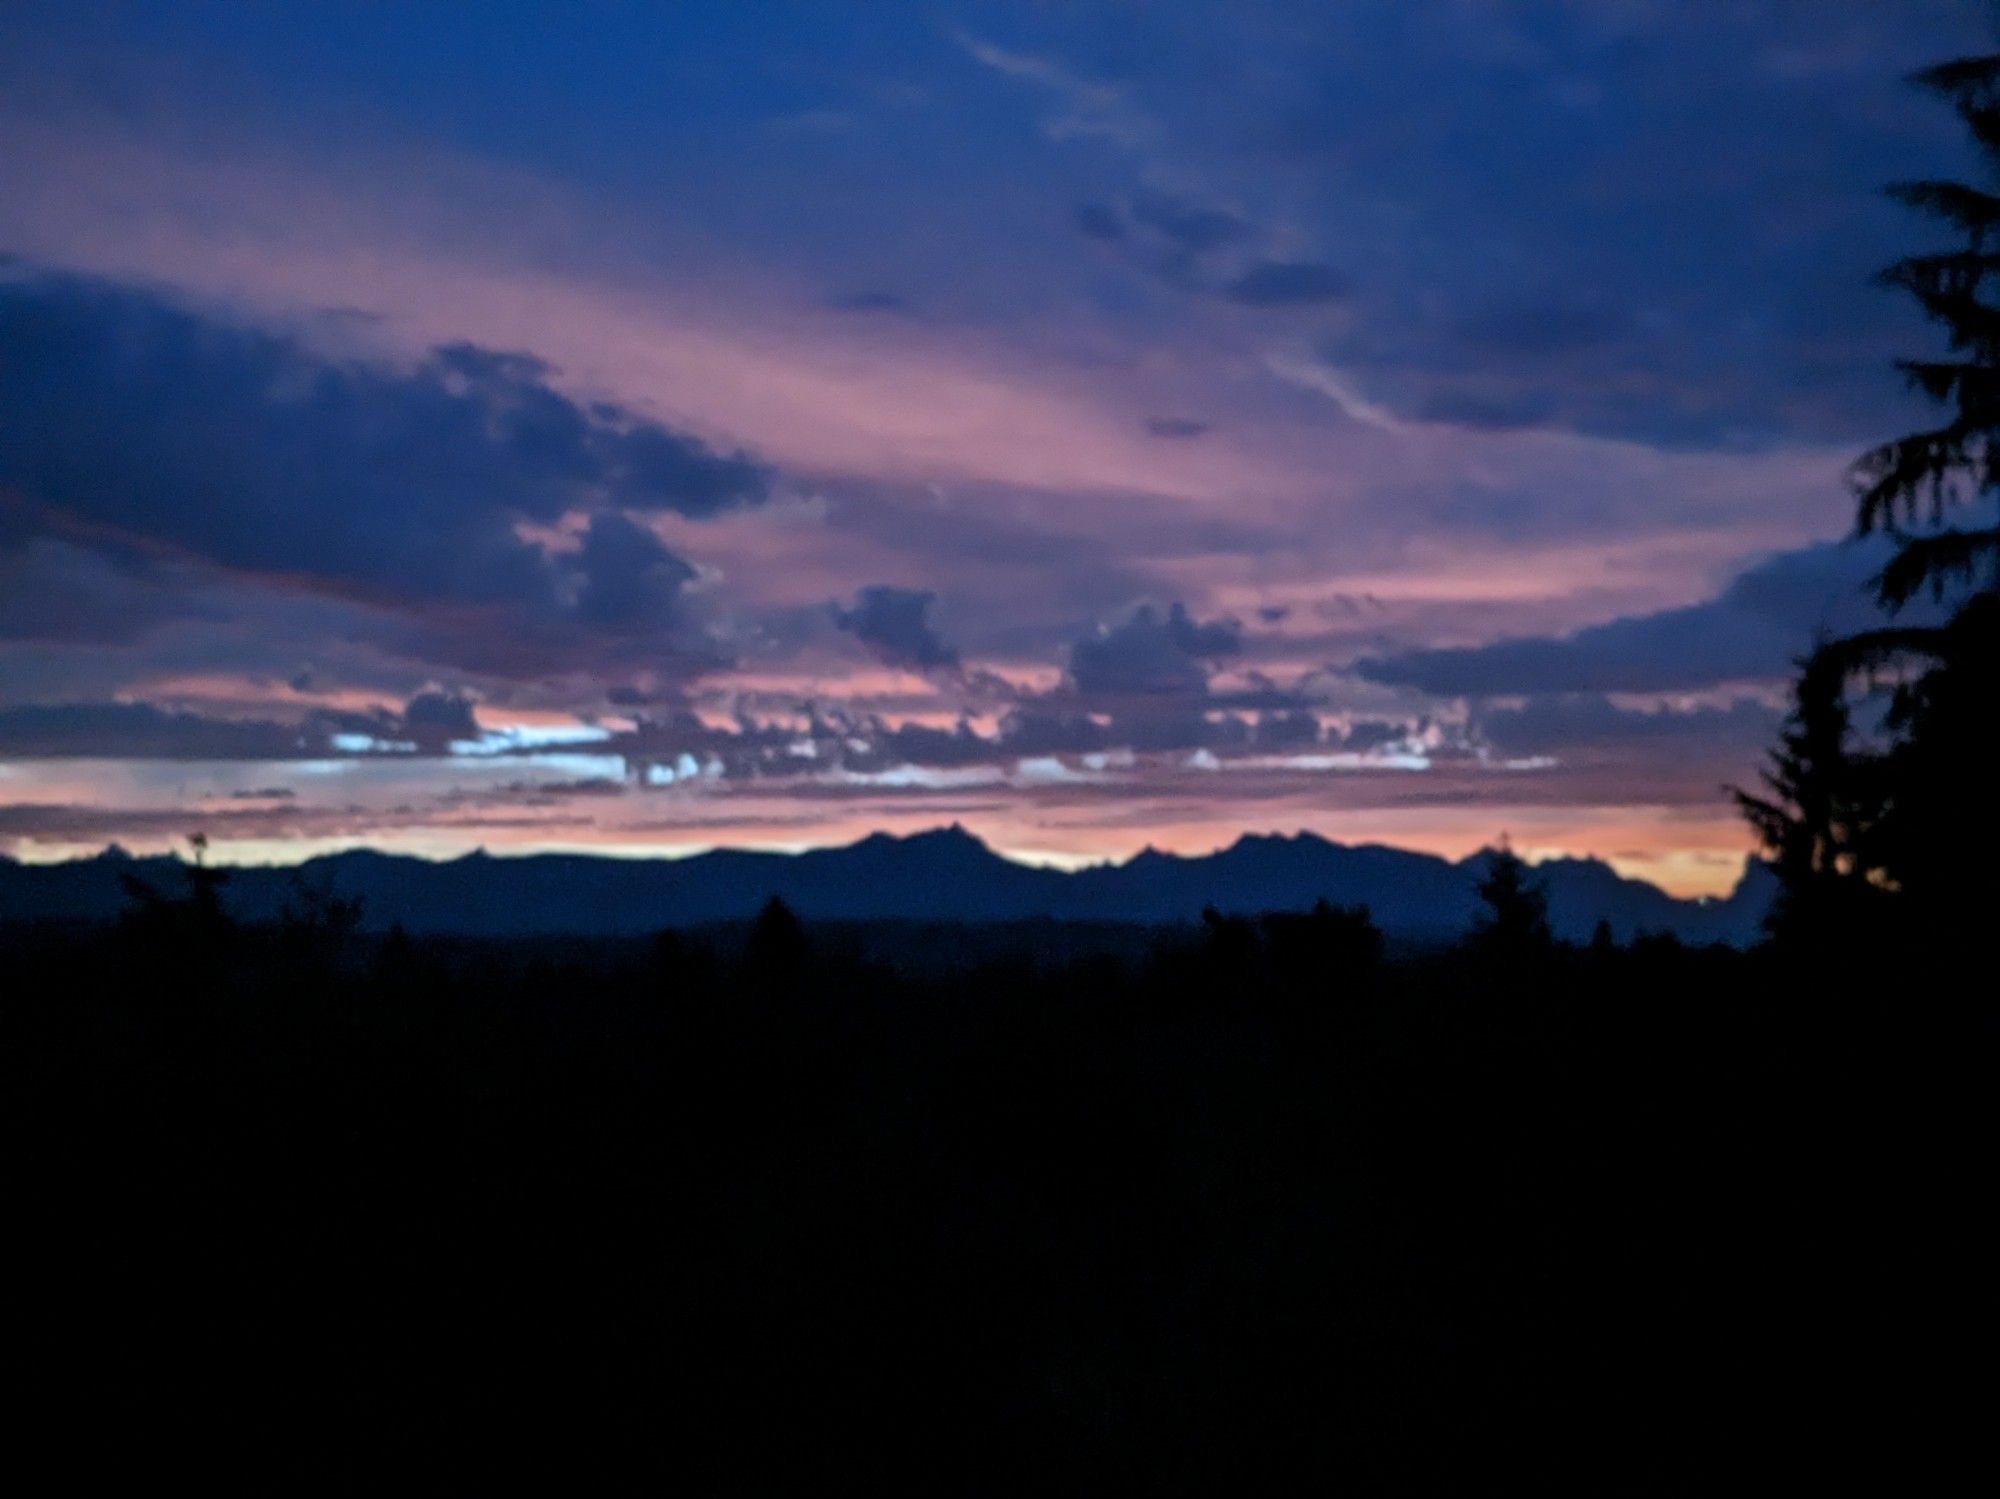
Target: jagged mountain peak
[[954, 835], [954, 841], [941, 874]]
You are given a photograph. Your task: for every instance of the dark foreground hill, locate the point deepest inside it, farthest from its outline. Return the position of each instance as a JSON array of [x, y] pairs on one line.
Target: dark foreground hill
[[942, 876], [1256, 1212]]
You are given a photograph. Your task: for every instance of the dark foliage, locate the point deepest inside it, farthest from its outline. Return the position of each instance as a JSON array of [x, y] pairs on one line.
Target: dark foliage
[[1915, 486], [1258, 1212], [1822, 815], [1515, 925], [1890, 842]]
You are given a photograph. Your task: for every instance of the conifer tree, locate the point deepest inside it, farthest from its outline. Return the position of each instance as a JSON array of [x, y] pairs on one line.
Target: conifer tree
[[1916, 819], [1918, 487], [1821, 819], [1516, 920]]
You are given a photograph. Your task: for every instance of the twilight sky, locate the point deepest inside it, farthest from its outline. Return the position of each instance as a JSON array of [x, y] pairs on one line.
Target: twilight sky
[[643, 427]]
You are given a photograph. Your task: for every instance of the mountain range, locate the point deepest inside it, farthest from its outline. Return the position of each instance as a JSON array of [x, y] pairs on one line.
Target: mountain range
[[946, 875]]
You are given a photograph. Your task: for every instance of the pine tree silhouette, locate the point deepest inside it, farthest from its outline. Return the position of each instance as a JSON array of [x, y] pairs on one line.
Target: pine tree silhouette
[[1938, 839], [1821, 820], [190, 927], [777, 942], [1603, 941], [1923, 480], [1516, 921], [1916, 820]]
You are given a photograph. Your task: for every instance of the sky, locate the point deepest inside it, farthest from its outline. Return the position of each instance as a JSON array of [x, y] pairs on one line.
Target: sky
[[644, 428]]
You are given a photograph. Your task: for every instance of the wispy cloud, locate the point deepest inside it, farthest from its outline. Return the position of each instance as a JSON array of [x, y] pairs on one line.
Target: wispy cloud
[[1080, 108]]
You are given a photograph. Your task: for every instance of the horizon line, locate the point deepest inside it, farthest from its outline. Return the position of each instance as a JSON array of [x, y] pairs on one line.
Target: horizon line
[[673, 854]]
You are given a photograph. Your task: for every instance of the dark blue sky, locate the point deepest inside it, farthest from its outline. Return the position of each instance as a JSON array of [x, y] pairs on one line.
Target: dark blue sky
[[1094, 422]]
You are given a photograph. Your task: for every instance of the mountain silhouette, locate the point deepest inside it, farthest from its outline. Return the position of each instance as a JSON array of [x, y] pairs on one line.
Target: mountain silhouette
[[946, 874]]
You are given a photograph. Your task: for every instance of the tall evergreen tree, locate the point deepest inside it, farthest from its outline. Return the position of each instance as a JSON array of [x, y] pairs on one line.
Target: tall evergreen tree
[[1935, 492], [1515, 923], [1918, 487], [1821, 819], [1940, 842], [1916, 819]]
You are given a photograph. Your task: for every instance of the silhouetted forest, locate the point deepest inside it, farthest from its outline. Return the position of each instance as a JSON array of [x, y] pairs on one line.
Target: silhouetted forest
[[748, 1214]]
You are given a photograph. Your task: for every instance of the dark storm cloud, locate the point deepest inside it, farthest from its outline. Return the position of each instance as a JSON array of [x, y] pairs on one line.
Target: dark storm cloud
[[120, 410], [54, 592], [1151, 654], [895, 624], [1373, 733], [1140, 684], [839, 740], [427, 724], [629, 578], [648, 467], [1561, 724], [143, 731], [1255, 691], [920, 744], [1052, 729], [1751, 631], [1162, 726], [434, 717], [1287, 730]]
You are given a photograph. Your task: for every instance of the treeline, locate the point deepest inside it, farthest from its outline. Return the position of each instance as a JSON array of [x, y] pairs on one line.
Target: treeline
[[1258, 1209]]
